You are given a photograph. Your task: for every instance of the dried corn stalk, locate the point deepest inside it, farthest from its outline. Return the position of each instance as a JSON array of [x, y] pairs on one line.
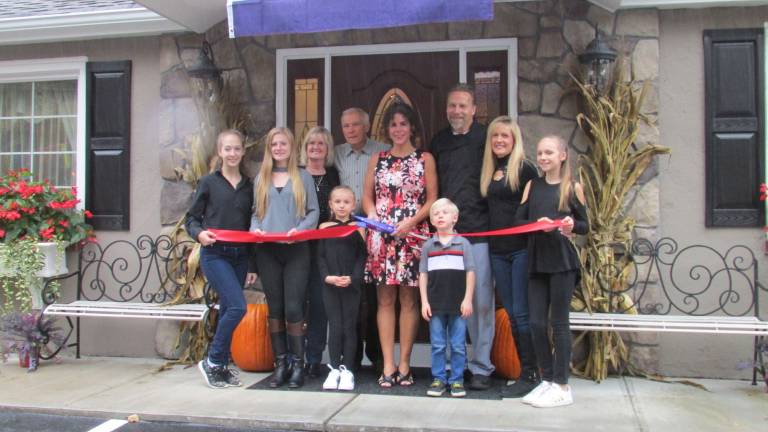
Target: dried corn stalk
[[609, 169]]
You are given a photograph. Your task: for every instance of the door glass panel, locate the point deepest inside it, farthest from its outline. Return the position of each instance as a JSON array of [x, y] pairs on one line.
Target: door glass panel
[[487, 95], [487, 71], [378, 128], [305, 96], [306, 107]]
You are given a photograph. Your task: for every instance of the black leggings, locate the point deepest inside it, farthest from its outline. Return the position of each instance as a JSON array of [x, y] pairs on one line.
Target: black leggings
[[549, 300], [284, 272], [342, 306]]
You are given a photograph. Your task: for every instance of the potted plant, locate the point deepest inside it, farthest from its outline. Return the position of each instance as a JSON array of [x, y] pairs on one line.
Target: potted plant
[[28, 335], [37, 222]]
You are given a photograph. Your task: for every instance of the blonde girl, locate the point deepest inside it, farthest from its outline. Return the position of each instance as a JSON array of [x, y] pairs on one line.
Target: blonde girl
[[341, 262], [553, 267], [285, 201]]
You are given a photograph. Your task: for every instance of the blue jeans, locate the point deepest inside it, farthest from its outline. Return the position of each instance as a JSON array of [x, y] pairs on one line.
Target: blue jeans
[[445, 329], [225, 268], [511, 274]]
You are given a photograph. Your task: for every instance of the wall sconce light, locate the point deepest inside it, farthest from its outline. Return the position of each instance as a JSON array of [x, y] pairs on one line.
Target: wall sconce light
[[597, 63]]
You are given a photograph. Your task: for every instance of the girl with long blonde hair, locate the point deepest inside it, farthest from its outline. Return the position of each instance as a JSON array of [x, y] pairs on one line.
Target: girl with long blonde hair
[[553, 267], [504, 174], [285, 201]]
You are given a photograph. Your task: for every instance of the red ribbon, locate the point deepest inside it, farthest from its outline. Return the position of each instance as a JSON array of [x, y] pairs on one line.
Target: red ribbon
[[345, 230], [522, 229], [252, 237]]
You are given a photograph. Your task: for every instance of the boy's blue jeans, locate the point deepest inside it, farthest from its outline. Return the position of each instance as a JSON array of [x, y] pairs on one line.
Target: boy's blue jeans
[[225, 268], [445, 329]]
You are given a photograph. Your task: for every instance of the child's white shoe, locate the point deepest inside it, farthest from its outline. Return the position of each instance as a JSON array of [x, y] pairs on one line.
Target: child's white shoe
[[555, 396], [536, 392], [332, 382], [346, 379]]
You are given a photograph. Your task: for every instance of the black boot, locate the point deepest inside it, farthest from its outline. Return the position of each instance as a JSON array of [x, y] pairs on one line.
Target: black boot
[[296, 345], [280, 375], [529, 378]]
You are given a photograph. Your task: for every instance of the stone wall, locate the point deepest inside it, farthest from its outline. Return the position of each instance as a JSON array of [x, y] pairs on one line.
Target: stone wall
[[551, 34]]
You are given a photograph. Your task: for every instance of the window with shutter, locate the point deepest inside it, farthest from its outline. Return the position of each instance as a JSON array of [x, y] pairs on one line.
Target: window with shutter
[[735, 129]]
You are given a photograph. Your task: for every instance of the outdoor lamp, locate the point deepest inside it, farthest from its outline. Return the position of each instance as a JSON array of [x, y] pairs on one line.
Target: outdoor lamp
[[597, 63], [206, 73], [203, 68]]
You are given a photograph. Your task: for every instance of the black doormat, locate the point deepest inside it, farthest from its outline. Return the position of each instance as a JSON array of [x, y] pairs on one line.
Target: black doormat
[[366, 383]]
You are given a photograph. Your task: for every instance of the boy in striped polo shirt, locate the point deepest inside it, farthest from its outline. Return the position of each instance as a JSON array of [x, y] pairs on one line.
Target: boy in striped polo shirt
[[446, 284]]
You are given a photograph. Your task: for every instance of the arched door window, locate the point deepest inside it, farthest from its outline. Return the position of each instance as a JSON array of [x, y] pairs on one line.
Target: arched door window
[[392, 96]]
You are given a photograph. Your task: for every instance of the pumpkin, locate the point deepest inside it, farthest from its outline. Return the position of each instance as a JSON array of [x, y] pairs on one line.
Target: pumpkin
[[251, 346], [504, 352]]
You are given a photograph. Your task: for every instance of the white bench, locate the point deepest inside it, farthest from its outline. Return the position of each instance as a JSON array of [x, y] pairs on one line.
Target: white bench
[[126, 279], [694, 289]]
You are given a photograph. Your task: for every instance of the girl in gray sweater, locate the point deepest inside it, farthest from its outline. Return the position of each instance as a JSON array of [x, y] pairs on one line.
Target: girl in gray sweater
[[284, 201]]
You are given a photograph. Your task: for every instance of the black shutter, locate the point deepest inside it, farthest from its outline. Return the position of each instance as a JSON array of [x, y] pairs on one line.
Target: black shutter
[[108, 139], [735, 129]]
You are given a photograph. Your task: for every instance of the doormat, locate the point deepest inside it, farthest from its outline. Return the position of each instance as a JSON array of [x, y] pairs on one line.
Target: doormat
[[366, 383]]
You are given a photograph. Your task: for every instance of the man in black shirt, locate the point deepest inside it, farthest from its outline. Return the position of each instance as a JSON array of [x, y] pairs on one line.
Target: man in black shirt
[[458, 152]]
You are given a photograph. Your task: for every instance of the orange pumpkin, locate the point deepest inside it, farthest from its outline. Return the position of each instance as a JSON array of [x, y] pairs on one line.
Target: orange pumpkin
[[504, 352], [251, 346]]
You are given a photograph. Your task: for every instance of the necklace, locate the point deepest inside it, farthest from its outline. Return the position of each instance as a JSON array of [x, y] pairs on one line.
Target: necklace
[[318, 181]]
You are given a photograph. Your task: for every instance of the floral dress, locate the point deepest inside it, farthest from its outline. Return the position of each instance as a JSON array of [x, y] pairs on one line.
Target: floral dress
[[400, 189]]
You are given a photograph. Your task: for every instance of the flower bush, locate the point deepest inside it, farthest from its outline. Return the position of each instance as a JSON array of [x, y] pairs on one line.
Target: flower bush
[[36, 209]]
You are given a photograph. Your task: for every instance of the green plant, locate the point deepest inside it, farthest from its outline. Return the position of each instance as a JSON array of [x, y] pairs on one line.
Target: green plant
[[22, 261], [609, 170]]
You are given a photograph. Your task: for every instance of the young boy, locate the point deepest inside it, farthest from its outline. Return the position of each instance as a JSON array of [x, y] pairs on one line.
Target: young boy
[[446, 284]]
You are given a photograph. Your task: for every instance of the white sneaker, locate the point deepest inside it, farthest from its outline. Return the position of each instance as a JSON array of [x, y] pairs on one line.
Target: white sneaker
[[536, 392], [555, 396], [332, 382], [346, 379]]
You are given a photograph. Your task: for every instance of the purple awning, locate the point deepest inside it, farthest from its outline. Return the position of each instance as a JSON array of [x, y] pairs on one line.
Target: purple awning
[[263, 17]]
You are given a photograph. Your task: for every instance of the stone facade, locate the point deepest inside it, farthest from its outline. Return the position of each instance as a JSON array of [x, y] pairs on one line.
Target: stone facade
[[551, 34]]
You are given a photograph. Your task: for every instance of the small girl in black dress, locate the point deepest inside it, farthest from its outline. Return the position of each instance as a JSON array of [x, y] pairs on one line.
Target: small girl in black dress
[[341, 262], [553, 267]]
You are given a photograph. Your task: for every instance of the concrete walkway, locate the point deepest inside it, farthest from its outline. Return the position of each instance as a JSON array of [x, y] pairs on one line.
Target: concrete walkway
[[118, 387]]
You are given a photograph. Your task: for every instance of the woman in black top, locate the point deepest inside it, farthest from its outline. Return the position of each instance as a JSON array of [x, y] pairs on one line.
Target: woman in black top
[[504, 174], [341, 262], [223, 200], [554, 267], [317, 156]]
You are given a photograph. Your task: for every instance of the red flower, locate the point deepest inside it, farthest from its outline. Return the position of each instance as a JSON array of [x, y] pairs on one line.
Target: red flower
[[763, 191], [2, 233], [88, 214], [64, 204], [10, 215], [64, 223], [4, 190], [47, 233]]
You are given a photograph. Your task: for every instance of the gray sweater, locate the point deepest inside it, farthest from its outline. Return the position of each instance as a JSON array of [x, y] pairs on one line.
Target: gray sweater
[[281, 208]]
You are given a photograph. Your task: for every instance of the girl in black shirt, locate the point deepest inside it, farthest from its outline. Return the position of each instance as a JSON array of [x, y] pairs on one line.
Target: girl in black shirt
[[553, 267], [341, 262], [223, 200]]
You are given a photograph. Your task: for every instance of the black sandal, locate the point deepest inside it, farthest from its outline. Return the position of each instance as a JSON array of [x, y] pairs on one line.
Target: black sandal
[[404, 380], [387, 381]]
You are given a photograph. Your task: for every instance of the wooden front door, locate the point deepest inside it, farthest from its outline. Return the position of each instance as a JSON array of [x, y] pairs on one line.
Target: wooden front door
[[370, 82]]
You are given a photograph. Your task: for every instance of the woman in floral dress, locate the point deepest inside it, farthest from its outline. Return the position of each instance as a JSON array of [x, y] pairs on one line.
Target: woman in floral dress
[[399, 188]]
